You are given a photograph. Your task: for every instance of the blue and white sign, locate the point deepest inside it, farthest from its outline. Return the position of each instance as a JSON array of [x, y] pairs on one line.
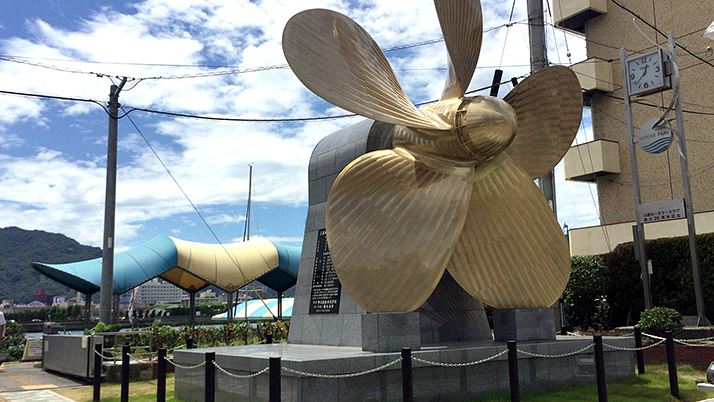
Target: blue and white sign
[[654, 140]]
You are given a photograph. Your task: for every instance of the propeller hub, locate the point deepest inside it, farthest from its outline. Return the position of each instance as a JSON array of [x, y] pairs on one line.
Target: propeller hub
[[482, 127], [485, 126]]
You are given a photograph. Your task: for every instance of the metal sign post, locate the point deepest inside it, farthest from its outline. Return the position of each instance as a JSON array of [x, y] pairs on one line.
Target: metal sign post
[[689, 208], [639, 230], [664, 210]]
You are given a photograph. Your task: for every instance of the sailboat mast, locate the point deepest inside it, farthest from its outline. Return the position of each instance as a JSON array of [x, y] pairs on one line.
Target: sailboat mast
[[246, 230]]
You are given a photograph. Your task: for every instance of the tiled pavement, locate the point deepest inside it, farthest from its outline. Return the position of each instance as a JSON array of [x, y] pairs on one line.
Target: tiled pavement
[[27, 382], [32, 396]]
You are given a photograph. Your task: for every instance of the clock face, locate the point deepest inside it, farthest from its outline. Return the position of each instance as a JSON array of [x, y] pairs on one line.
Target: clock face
[[646, 74]]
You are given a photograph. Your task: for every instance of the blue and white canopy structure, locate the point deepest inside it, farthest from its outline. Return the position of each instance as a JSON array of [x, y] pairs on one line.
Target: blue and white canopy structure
[[188, 265], [258, 309]]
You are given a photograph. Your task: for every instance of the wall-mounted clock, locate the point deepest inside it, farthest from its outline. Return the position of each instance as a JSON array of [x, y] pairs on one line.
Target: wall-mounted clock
[[646, 74]]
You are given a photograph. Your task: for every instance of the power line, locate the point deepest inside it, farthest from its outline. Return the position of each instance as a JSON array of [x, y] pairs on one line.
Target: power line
[[215, 236], [660, 32], [64, 98], [241, 120], [235, 71]]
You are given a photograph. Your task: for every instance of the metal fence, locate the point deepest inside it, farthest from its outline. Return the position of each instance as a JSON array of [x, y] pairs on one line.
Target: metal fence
[[275, 368]]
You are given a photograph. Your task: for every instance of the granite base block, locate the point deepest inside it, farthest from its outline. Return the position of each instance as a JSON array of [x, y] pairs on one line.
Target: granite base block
[[431, 382], [523, 324], [390, 332]]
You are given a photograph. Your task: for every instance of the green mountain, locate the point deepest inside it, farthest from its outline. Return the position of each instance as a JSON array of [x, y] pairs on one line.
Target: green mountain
[[19, 247]]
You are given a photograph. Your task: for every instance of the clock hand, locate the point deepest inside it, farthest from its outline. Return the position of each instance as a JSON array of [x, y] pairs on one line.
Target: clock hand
[[643, 74]]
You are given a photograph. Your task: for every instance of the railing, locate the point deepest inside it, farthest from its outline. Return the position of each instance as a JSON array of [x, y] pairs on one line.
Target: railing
[[274, 367]]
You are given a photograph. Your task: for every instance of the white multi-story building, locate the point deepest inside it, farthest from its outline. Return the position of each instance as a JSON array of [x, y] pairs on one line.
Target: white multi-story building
[[158, 291]]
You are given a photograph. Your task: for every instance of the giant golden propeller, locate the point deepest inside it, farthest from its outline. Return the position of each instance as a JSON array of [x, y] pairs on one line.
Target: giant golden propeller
[[457, 190]]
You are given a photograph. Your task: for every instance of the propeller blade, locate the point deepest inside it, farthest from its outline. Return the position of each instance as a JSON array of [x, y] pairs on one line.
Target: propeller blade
[[549, 106], [512, 252], [392, 220], [462, 26], [337, 60]]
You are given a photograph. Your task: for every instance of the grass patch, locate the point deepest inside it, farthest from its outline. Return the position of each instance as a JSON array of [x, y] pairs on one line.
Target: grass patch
[[653, 386], [139, 391]]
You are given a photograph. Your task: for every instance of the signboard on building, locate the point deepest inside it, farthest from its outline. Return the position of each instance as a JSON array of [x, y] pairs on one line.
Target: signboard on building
[[662, 211]]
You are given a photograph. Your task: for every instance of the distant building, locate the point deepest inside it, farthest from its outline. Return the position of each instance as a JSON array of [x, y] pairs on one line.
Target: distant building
[[42, 297], [157, 291]]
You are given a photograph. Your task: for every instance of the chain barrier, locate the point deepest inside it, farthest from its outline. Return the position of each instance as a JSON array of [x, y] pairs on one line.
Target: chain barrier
[[263, 371], [690, 342], [105, 358], [652, 336], [634, 349], [143, 356], [687, 342], [349, 375], [203, 363], [558, 355], [466, 364]]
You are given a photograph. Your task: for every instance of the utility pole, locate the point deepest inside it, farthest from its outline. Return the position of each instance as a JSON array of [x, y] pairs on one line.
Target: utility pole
[[539, 60], [105, 293]]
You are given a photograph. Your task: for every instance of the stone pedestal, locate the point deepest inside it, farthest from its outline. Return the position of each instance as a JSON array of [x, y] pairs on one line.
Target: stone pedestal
[[523, 324], [447, 382], [390, 332]]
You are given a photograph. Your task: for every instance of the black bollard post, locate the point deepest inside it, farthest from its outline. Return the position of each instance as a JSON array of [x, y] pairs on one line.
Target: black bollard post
[[274, 391], [268, 338], [671, 365], [600, 369], [407, 376], [97, 372], [125, 373], [210, 389], [513, 371], [639, 352], [189, 343], [161, 376]]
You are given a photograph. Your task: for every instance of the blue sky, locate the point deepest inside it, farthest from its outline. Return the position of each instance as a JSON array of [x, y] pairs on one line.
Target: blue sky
[[204, 53]]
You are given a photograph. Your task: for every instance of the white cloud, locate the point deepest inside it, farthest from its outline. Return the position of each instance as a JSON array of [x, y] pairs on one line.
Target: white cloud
[[61, 187]]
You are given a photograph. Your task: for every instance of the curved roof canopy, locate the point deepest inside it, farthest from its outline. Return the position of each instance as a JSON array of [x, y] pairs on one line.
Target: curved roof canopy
[[188, 265]]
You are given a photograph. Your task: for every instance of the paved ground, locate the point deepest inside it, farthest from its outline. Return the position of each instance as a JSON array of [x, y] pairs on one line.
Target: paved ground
[[27, 382]]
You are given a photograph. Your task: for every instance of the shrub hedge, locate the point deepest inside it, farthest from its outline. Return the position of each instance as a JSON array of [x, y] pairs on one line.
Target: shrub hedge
[[605, 291]]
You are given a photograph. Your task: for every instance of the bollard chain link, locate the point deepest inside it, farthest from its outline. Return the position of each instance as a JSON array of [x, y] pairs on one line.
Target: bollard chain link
[[203, 363], [105, 358], [634, 349], [466, 364], [349, 375], [556, 356], [263, 371], [690, 342], [137, 359], [652, 336]]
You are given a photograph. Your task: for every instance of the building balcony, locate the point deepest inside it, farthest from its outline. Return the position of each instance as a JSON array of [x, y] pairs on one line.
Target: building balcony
[[595, 75], [572, 14], [586, 162]]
